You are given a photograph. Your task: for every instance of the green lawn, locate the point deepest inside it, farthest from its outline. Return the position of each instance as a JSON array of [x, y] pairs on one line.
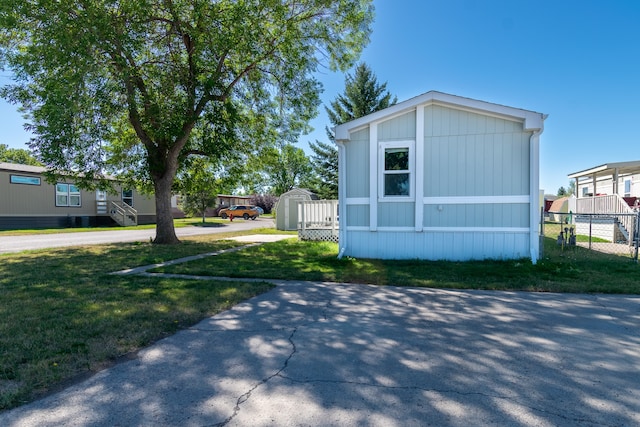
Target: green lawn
[[573, 269], [62, 315]]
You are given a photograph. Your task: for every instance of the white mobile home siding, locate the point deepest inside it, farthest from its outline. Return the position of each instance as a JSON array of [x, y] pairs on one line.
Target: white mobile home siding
[[471, 179]]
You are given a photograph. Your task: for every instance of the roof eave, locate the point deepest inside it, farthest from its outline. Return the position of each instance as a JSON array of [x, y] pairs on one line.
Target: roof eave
[[531, 120]]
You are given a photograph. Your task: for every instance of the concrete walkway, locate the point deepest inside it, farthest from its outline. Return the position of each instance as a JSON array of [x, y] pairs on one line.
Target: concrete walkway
[[325, 354]]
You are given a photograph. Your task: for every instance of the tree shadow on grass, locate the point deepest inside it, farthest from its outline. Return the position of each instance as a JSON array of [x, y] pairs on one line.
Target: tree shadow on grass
[[364, 355]]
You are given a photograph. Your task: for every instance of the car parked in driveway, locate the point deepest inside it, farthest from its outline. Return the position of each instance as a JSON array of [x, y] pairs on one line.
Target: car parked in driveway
[[237, 211]]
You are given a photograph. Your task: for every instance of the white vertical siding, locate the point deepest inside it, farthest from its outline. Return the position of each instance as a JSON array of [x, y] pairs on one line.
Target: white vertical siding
[[357, 165], [398, 128], [469, 154], [474, 195], [396, 214], [451, 246], [357, 215]]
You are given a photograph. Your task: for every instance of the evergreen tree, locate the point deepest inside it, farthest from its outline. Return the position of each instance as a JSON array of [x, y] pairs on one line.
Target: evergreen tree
[[362, 95]]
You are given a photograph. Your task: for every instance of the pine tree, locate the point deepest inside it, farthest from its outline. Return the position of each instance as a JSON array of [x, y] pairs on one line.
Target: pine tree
[[362, 95]]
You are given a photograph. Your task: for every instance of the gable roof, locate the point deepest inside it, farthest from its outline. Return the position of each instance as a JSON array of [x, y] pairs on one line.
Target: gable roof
[[531, 119], [609, 169], [300, 192]]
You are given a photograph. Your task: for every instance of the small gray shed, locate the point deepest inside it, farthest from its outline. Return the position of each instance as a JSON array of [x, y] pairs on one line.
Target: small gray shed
[[287, 208]]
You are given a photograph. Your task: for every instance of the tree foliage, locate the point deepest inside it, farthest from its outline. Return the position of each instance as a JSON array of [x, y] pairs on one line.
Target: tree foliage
[[199, 183], [286, 167], [571, 189], [324, 161], [136, 87], [362, 95], [17, 155], [265, 201]]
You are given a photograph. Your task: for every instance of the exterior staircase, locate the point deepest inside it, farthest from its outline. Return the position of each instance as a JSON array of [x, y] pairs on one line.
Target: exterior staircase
[[123, 214], [611, 205]]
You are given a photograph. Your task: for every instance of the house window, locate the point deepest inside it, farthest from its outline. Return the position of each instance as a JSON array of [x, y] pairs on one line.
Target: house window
[[627, 188], [585, 191], [396, 160], [127, 197], [67, 195], [28, 180]]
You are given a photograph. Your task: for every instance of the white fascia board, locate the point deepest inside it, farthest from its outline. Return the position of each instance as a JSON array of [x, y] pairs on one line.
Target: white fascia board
[[531, 119], [588, 172], [605, 167]]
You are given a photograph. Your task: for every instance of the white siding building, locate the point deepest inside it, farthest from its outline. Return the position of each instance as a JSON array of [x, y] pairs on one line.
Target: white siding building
[[440, 177]]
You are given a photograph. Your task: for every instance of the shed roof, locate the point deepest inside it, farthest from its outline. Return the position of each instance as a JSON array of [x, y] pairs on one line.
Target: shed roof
[[609, 169], [300, 191], [531, 119]]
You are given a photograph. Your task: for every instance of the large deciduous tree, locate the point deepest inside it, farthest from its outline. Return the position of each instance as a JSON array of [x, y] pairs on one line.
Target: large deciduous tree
[[134, 87], [362, 95]]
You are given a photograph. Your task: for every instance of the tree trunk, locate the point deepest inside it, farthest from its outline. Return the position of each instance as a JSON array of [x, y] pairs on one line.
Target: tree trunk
[[165, 231]]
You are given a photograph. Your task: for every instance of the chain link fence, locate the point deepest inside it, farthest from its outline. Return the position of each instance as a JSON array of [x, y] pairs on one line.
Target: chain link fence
[[609, 233]]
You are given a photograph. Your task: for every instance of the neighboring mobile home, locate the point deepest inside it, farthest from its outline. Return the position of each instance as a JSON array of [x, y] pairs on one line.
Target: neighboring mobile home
[[622, 178], [440, 177], [29, 201]]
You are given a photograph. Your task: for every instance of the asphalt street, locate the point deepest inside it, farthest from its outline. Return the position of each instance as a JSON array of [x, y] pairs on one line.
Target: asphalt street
[[321, 354], [43, 241]]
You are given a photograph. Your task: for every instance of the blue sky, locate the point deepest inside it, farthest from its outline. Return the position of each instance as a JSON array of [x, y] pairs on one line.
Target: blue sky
[[577, 61]]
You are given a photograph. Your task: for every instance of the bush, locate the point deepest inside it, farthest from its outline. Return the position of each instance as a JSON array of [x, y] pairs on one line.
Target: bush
[[265, 201]]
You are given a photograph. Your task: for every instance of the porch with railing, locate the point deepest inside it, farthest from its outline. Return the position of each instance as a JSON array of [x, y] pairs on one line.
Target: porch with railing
[[318, 220], [610, 208]]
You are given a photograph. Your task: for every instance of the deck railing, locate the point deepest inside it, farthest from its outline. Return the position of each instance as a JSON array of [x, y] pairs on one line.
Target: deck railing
[[318, 220], [610, 205]]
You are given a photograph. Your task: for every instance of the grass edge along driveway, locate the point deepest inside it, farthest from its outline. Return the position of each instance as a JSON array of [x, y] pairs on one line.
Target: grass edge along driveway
[[63, 315]]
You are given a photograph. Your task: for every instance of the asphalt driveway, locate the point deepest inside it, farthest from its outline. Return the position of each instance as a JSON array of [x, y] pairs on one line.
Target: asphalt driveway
[[314, 354]]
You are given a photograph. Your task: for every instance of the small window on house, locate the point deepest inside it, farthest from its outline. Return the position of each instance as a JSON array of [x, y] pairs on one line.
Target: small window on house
[[627, 188], [396, 171], [28, 180], [127, 197], [68, 195], [585, 191]]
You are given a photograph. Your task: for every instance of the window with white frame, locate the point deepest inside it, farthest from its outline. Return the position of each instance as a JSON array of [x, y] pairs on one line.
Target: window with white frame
[[68, 195], [585, 191], [396, 159], [627, 187], [127, 197]]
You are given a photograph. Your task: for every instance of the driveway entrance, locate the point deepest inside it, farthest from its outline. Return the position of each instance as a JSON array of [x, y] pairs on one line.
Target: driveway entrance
[[314, 354]]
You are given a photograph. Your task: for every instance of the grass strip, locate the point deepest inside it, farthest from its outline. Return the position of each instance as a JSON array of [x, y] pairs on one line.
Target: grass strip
[[62, 315], [574, 269]]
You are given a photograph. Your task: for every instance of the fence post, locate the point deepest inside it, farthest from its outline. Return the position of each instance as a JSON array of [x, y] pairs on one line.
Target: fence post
[[541, 236], [590, 234], [636, 236]]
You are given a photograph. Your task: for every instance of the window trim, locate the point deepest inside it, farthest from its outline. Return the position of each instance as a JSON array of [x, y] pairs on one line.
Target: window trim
[[382, 173], [68, 194], [627, 184], [123, 198], [24, 180]]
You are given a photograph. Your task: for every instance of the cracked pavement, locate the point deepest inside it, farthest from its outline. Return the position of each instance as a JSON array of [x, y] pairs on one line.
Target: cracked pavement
[[322, 354]]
